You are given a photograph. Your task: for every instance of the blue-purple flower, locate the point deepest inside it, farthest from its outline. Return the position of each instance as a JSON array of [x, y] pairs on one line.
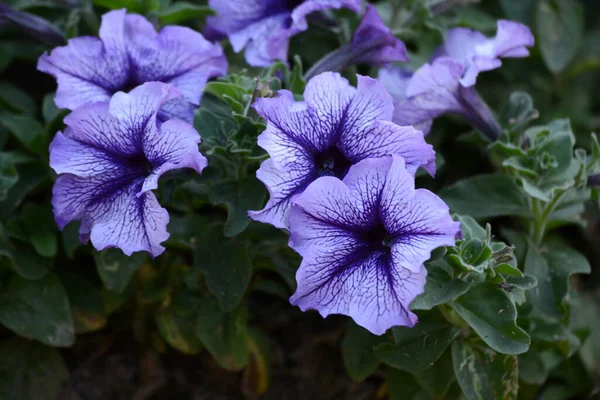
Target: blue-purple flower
[[129, 53], [264, 27], [477, 53], [373, 43], [335, 127], [110, 157], [446, 84], [364, 240]]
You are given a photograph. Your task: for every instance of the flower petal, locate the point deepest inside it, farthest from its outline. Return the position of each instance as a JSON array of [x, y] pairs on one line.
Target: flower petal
[[282, 185], [372, 29], [396, 81], [174, 145], [372, 290], [84, 72]]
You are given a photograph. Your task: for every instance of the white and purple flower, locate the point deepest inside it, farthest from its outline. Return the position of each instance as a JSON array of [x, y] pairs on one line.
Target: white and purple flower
[[335, 127], [264, 27], [110, 157], [128, 53], [364, 240], [446, 84]]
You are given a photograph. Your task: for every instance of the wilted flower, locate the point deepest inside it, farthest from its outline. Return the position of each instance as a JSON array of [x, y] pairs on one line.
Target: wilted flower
[[364, 240], [446, 84], [32, 25], [265, 27], [110, 157], [372, 43], [335, 127], [128, 53]]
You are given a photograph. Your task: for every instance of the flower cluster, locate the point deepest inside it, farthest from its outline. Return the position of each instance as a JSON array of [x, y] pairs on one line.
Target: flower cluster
[[116, 144], [340, 176], [446, 84], [341, 162]]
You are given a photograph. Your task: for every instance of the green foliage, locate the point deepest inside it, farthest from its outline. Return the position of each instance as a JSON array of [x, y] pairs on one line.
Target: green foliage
[[30, 370], [503, 314]]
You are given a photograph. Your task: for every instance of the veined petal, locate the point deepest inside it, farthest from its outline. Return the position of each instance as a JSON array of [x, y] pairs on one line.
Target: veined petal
[[85, 73], [283, 185], [372, 290], [364, 241], [129, 53], [113, 212], [174, 145]]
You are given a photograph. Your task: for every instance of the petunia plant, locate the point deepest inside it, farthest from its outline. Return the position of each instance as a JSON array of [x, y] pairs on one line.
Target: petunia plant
[[299, 199]]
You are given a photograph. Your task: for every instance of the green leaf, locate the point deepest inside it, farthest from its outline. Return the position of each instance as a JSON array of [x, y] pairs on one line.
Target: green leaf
[[416, 349], [358, 353], [531, 368], [17, 99], [116, 269], [560, 25], [49, 108], [31, 175], [183, 11], [257, 373], [519, 10], [552, 265], [87, 304], [23, 260], [224, 335], [438, 378], [26, 129], [491, 313], [486, 196], [226, 265], [41, 229], [519, 110], [38, 310], [401, 385], [179, 330], [239, 196], [30, 371], [484, 374], [440, 287]]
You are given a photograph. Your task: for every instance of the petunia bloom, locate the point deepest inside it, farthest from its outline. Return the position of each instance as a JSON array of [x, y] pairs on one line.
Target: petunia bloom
[[372, 43], [477, 53], [434, 90], [264, 27], [129, 53], [110, 157], [335, 127], [446, 84], [364, 240]]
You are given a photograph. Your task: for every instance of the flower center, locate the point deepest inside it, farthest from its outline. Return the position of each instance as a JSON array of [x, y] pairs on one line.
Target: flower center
[[332, 163], [378, 238]]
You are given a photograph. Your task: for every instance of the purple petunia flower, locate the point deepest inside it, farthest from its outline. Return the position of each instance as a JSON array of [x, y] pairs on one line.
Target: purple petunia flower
[[265, 27], [476, 53], [446, 84], [128, 53], [110, 157], [364, 240], [434, 90], [372, 43], [335, 127]]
